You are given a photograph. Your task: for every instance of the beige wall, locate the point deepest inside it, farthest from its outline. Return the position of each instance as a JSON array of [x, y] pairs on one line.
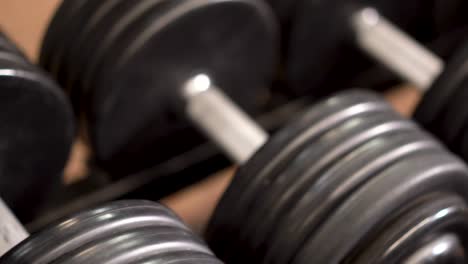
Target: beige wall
[[26, 20]]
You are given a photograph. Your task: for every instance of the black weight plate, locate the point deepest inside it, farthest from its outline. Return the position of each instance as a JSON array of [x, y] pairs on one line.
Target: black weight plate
[[81, 51], [321, 65], [108, 24], [121, 26], [236, 47], [453, 119], [286, 152], [57, 29], [463, 142], [83, 228], [183, 257], [279, 192], [37, 131], [363, 214], [277, 195], [134, 245], [8, 46], [436, 100], [74, 27], [284, 9], [334, 185], [277, 153], [12, 61], [424, 220]]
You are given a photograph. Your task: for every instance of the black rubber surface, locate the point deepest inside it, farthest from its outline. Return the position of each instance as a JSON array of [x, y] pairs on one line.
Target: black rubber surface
[[37, 130], [379, 199]]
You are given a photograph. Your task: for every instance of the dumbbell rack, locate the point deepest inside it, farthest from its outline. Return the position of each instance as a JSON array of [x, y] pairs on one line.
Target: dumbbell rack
[[162, 179]]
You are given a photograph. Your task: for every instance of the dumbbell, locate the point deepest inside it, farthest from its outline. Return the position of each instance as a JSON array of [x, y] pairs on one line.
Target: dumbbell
[[330, 185], [357, 121], [331, 53], [119, 232], [357, 23], [238, 55], [36, 133]]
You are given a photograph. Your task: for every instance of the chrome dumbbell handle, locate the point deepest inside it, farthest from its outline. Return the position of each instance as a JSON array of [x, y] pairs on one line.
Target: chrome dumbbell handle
[[12, 231], [395, 49], [221, 119]]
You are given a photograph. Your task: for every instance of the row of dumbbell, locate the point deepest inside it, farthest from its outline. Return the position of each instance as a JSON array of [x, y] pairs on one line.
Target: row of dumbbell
[[347, 126], [127, 68], [350, 158]]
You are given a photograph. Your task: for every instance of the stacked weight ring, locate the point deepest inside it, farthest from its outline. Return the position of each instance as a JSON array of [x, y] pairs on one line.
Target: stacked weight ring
[[348, 180], [120, 232]]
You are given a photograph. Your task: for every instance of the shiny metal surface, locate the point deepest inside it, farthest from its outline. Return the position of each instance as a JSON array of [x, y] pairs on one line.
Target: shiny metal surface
[[226, 124], [120, 232], [12, 231], [444, 250], [395, 49]]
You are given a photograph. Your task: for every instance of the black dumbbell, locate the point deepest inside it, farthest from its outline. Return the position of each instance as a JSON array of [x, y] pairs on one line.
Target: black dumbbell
[[340, 128], [119, 232], [238, 54], [358, 23], [331, 184], [327, 45], [36, 132]]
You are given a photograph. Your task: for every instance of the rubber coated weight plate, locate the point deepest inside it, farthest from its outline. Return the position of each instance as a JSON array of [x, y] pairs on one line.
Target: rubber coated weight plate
[[425, 218], [454, 118], [335, 185], [236, 47], [279, 194], [92, 34], [182, 258], [109, 37], [36, 135], [322, 65], [463, 141], [57, 29], [83, 50], [121, 26], [284, 9], [279, 151], [74, 27], [12, 61], [134, 245], [8, 46], [326, 190], [366, 211], [95, 224], [436, 100]]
